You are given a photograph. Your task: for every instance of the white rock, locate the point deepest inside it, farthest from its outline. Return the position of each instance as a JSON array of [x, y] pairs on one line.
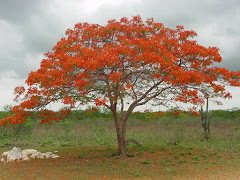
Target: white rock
[[2, 160], [47, 154], [25, 158], [28, 152], [14, 154], [44, 154], [54, 156], [4, 154], [39, 155], [25, 155], [33, 156]]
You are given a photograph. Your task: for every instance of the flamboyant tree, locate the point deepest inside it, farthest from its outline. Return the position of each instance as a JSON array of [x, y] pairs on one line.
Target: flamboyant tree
[[127, 60]]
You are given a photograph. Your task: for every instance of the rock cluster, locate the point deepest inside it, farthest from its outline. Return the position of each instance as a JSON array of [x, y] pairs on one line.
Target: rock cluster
[[16, 154]]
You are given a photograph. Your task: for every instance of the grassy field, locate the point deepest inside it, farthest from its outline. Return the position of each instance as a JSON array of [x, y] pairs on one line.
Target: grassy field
[[173, 148]]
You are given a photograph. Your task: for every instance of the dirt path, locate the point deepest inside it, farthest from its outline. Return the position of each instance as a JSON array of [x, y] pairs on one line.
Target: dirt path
[[223, 174]]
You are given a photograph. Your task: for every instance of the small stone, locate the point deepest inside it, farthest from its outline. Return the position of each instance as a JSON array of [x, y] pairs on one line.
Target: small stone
[[28, 152], [48, 154], [44, 154], [25, 158], [4, 154], [2, 160], [14, 154], [33, 156], [54, 156], [40, 155]]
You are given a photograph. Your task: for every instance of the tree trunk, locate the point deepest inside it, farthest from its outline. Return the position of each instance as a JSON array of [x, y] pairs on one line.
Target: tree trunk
[[205, 121], [121, 136], [124, 127], [124, 119], [121, 142], [121, 126]]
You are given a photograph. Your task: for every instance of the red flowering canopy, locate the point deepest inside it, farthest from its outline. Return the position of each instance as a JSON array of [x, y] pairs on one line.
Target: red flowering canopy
[[127, 59]]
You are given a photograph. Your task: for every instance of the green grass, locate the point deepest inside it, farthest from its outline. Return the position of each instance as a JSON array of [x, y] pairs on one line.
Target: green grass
[[173, 147], [100, 132]]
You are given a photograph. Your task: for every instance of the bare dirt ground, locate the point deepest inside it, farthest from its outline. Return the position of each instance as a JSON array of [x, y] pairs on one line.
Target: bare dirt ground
[[151, 164], [222, 174]]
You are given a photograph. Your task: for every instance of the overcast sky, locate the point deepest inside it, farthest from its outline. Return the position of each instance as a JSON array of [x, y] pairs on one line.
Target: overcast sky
[[30, 28]]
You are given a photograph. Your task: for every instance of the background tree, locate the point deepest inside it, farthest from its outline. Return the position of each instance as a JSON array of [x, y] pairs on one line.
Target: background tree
[[205, 118], [127, 60]]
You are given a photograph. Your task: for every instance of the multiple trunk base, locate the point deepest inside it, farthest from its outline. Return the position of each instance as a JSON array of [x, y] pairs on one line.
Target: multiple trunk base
[[123, 153], [134, 141]]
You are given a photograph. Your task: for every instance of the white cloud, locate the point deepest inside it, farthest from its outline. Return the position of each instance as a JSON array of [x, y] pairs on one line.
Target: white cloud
[[228, 103], [11, 40], [8, 81], [33, 61]]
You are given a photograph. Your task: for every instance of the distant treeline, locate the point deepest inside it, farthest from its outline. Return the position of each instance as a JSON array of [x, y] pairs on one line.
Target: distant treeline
[[93, 113]]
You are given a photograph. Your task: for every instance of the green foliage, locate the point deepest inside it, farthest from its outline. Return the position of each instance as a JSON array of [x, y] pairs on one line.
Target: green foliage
[[45, 141], [196, 157], [166, 131], [65, 144], [145, 161], [4, 114], [98, 130], [67, 125], [205, 121], [236, 128], [5, 142], [89, 113], [142, 116], [182, 161], [226, 115], [7, 107], [19, 131], [100, 135], [76, 115]]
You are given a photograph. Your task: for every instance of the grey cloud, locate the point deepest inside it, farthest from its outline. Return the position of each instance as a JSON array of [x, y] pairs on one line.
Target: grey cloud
[[15, 64], [42, 34], [232, 63], [217, 21], [18, 11], [29, 28], [40, 24], [36, 28], [187, 12]]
